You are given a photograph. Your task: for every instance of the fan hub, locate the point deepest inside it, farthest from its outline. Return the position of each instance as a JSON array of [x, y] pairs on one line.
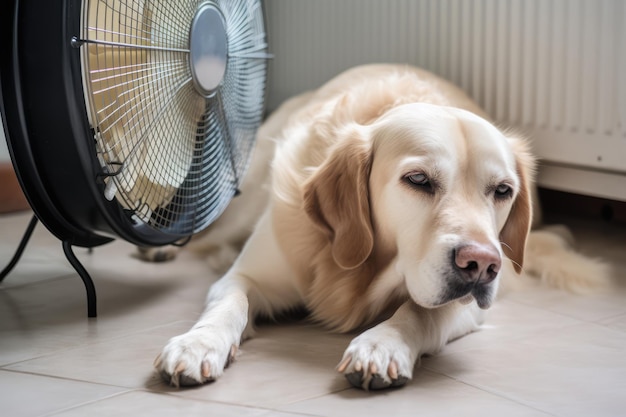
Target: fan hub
[[208, 45]]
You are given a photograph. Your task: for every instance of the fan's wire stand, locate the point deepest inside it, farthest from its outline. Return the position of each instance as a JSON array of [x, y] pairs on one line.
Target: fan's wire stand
[[69, 254], [20, 249]]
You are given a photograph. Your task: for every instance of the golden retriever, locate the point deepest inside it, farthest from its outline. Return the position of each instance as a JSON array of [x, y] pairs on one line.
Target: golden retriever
[[392, 203]]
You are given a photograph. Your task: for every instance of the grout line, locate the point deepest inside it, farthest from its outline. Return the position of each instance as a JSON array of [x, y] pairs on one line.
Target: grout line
[[491, 392], [57, 278], [14, 371], [83, 404], [608, 318], [84, 344], [233, 404], [84, 381]]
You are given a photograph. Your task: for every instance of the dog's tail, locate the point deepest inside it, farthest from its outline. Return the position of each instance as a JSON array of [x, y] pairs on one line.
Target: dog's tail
[[551, 257]]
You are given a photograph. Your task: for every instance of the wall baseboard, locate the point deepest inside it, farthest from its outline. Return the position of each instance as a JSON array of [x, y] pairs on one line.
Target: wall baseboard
[[11, 197]]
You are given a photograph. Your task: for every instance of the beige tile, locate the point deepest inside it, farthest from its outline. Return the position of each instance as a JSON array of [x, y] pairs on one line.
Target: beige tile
[[283, 364], [575, 371], [43, 318], [615, 323], [132, 296], [508, 321], [41, 264], [140, 403], [42, 259], [51, 316], [124, 362], [588, 308], [24, 395], [428, 394]]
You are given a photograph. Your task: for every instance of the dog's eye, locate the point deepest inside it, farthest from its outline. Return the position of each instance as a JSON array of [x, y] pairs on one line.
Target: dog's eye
[[419, 181], [503, 191]]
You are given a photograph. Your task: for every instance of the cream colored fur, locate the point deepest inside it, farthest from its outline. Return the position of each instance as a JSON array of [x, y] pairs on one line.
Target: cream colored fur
[[379, 180]]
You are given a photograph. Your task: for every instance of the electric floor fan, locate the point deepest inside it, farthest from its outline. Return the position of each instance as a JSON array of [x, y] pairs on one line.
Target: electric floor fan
[[131, 119]]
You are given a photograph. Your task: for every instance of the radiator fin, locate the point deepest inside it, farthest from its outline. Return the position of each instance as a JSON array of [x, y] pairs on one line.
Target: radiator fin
[[554, 68]]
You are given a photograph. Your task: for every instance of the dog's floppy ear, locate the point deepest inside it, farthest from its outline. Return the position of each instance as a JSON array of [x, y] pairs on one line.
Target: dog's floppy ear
[[515, 231], [336, 199]]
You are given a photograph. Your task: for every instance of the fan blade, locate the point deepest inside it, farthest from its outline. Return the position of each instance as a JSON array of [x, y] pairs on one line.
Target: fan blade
[[145, 107], [173, 153]]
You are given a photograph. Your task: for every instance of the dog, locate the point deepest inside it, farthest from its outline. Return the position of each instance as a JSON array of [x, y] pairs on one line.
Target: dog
[[391, 204]]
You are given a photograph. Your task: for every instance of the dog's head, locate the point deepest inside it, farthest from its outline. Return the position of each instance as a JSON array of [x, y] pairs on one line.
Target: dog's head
[[441, 188]]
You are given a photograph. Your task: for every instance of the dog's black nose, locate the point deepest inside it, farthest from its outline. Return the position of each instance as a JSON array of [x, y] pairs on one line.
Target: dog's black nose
[[477, 262]]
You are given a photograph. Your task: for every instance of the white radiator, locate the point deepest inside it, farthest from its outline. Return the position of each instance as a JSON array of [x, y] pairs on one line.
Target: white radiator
[[556, 69]]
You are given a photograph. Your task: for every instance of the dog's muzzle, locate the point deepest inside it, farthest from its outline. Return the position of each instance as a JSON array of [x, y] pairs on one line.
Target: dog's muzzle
[[473, 268]]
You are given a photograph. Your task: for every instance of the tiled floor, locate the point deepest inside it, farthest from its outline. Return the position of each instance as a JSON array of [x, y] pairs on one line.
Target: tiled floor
[[542, 352]]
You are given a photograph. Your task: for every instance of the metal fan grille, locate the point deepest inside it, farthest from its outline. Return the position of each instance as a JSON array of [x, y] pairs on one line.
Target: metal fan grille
[[172, 155]]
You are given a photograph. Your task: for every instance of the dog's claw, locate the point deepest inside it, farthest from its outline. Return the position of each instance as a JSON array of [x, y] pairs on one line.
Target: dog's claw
[[231, 356], [179, 379], [206, 370], [392, 371], [367, 377], [180, 367], [373, 369], [344, 364]]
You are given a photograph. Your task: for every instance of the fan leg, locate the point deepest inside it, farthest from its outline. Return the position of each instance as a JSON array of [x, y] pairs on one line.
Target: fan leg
[[69, 254], [84, 275], [20, 249]]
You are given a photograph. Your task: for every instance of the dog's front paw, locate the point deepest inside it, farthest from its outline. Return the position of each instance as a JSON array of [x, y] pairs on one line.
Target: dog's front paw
[[196, 357], [374, 361]]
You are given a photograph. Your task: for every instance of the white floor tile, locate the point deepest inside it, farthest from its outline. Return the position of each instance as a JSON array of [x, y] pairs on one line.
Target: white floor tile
[[51, 316], [508, 321], [428, 394], [124, 362], [42, 259], [139, 404], [588, 308], [615, 323], [24, 395], [575, 371]]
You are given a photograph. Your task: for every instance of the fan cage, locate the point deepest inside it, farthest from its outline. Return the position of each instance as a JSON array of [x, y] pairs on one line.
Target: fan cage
[[172, 157]]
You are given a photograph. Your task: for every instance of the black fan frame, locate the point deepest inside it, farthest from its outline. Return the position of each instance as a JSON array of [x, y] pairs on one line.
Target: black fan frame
[[52, 146]]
